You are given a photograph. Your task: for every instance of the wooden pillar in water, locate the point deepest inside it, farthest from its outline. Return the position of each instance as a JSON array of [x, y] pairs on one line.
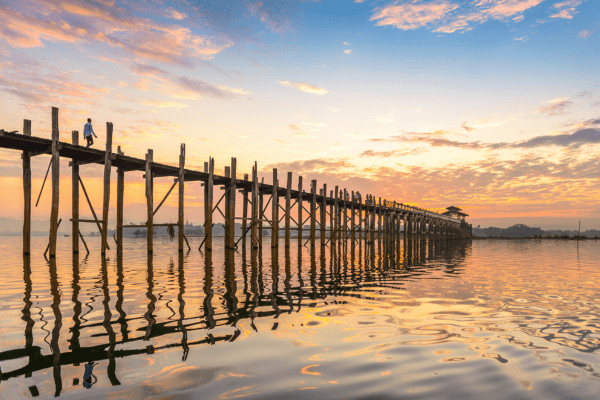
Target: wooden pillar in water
[[360, 218], [27, 193], [372, 221], [120, 202], [261, 215], [324, 216], [230, 207], [300, 211], [345, 214], [149, 200], [352, 220], [180, 220], [275, 211], [336, 211], [55, 182], [254, 221], [313, 213], [106, 199], [244, 214], [288, 204], [331, 218], [208, 203], [75, 197]]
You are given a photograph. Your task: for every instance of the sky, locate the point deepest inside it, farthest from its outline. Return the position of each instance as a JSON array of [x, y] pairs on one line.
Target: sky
[[489, 105]]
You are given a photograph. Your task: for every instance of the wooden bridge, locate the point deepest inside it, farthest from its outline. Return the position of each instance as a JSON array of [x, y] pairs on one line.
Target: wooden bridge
[[349, 217]]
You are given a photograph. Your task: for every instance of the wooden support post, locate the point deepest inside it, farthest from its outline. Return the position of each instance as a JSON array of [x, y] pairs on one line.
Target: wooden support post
[[149, 200], [255, 212], [360, 218], [261, 215], [106, 200], [55, 183], [324, 216], [345, 206], [372, 221], [208, 204], [75, 198], [244, 214], [230, 207], [300, 211], [384, 218], [120, 203], [379, 217], [313, 213], [352, 220], [26, 193], [181, 195], [275, 212], [288, 203], [331, 218], [336, 211]]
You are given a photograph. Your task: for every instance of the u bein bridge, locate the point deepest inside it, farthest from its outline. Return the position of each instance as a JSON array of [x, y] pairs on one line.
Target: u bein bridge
[[349, 217]]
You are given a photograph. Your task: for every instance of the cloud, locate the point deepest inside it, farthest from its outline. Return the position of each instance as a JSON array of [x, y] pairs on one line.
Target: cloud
[[76, 22], [348, 51], [164, 104], [566, 9], [386, 119], [304, 87], [558, 106], [585, 33], [466, 127], [393, 153], [272, 15], [295, 128], [174, 14], [412, 15], [445, 16], [315, 126]]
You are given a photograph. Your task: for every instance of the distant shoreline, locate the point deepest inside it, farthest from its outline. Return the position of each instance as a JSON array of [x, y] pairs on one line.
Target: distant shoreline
[[533, 238]]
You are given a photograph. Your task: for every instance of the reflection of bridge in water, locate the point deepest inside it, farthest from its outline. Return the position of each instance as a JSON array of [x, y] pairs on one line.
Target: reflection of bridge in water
[[340, 272]]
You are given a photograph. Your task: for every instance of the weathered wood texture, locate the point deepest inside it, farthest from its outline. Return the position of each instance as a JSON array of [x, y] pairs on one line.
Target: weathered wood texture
[[26, 193], [75, 198], [149, 201], [106, 199], [55, 183], [180, 215]]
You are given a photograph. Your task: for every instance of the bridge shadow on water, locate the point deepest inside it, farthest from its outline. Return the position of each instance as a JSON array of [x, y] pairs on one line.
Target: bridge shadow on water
[[294, 282]]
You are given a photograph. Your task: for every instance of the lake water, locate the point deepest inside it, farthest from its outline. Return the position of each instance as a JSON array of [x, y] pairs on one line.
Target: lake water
[[493, 319]]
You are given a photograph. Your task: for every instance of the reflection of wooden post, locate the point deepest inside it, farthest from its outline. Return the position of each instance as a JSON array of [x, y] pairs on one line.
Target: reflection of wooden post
[[208, 204], [324, 215], [75, 197], [149, 199], [275, 212], [230, 192], [105, 203], [181, 194], [254, 222], [55, 187], [244, 213], [120, 201], [313, 212], [299, 211], [26, 193], [288, 203]]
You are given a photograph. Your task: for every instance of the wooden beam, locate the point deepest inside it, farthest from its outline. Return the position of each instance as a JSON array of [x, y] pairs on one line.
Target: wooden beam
[[106, 200], [331, 218], [313, 212], [299, 211], [55, 183], [345, 214], [166, 195], [48, 247], [149, 201], [244, 214], [75, 198], [261, 215], [26, 193], [352, 221], [324, 215], [230, 207], [288, 201], [275, 211], [44, 182], [255, 206], [120, 203], [180, 221], [336, 211]]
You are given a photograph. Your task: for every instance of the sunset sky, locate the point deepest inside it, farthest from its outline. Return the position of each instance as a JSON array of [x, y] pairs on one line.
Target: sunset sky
[[488, 105]]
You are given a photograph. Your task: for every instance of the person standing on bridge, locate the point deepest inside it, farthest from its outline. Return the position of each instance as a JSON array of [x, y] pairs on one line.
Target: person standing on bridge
[[88, 131]]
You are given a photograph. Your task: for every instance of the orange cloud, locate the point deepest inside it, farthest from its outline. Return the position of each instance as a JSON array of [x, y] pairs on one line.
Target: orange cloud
[[566, 9], [304, 87], [558, 106], [408, 16]]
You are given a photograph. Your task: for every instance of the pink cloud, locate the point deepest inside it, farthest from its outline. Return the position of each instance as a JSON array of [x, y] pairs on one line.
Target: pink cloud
[[413, 15], [566, 9]]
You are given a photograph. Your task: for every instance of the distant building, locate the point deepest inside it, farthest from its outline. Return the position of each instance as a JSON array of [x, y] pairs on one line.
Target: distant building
[[455, 212]]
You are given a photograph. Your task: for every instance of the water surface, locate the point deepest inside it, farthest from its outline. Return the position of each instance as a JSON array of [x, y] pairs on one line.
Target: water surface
[[491, 319]]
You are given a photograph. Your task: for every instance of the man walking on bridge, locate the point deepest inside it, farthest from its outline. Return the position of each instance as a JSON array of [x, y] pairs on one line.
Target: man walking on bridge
[[88, 131]]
